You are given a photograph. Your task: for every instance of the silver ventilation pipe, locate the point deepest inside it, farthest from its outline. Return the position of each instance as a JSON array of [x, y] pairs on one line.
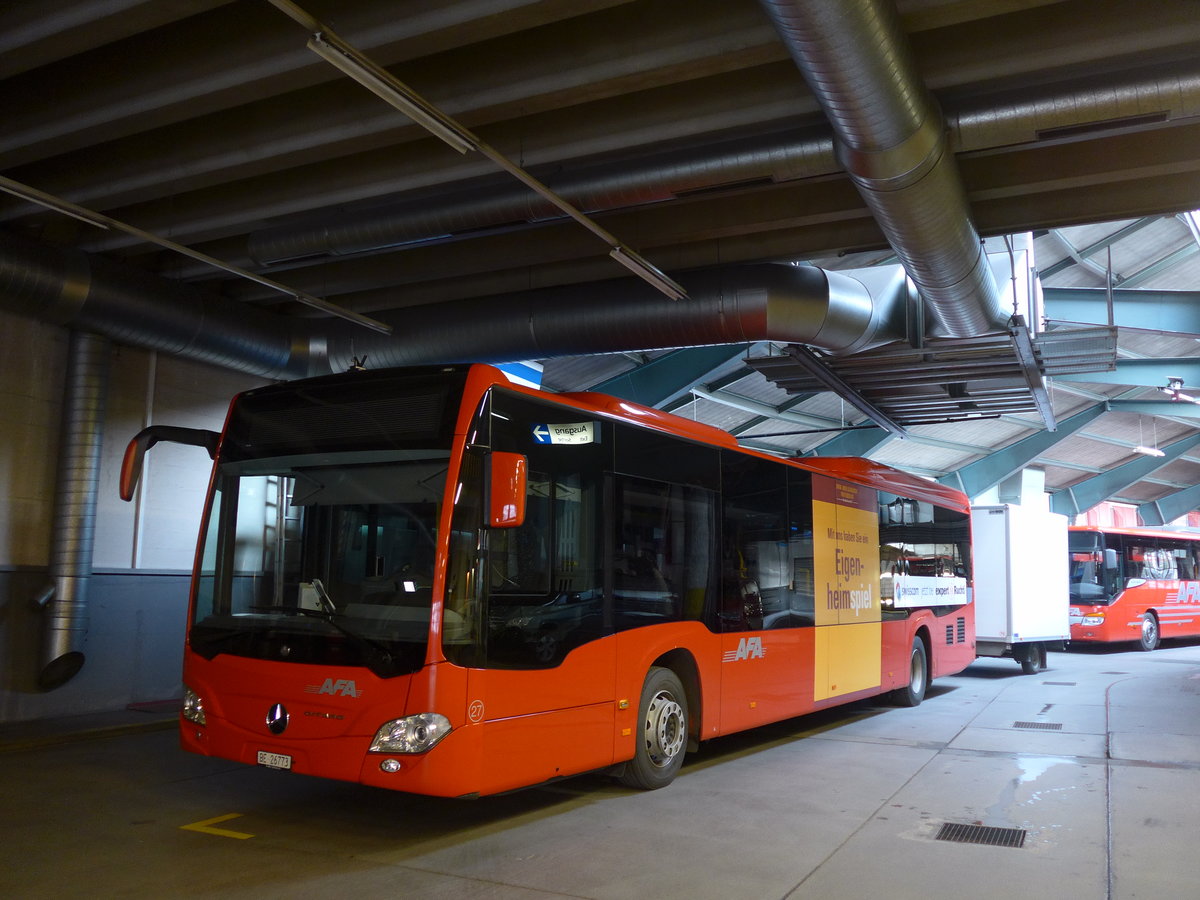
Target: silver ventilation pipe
[[64, 601], [837, 312], [891, 140], [90, 293], [832, 311]]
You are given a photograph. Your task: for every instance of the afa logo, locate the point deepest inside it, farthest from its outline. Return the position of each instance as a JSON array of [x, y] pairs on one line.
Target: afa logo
[[747, 648], [341, 687]]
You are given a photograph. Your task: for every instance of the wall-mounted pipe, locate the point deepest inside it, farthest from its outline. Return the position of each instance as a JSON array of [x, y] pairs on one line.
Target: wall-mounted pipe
[[65, 600]]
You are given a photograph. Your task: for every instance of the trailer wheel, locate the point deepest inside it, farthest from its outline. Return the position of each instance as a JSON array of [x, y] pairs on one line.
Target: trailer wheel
[[1034, 659], [1149, 638], [918, 676], [662, 732]]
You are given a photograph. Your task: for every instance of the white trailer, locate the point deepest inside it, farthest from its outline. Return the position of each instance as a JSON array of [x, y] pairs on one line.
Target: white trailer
[[1021, 581]]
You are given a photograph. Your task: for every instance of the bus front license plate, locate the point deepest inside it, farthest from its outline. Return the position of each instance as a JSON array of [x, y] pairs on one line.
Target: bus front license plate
[[274, 760]]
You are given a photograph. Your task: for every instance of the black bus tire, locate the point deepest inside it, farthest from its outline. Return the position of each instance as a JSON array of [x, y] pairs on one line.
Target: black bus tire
[[918, 676], [1150, 636], [662, 732]]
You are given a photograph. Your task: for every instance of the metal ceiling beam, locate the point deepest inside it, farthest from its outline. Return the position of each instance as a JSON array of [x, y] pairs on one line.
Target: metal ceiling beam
[[1145, 373], [975, 478], [1170, 261], [1169, 508], [1162, 408], [1081, 497], [672, 375], [1177, 311], [808, 360], [1082, 254], [854, 443]]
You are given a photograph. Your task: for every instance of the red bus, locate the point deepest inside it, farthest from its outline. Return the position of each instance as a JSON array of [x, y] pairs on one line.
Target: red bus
[[1133, 584], [435, 581]]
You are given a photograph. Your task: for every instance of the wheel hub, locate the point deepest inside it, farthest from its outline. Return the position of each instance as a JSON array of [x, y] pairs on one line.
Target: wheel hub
[[664, 729]]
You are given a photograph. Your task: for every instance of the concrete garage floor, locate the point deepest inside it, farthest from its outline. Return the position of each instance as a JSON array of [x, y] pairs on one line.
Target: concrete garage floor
[[1103, 776]]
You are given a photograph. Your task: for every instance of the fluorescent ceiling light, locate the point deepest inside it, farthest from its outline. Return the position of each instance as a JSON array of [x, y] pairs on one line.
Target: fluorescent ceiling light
[[1148, 451], [647, 272], [391, 90]]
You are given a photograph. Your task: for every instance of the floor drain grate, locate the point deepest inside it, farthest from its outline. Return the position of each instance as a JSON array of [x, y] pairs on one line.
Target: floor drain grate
[[1114, 673], [1039, 726], [981, 834], [1062, 683]]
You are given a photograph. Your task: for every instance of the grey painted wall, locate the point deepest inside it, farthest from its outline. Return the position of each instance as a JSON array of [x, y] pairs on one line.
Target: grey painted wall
[[134, 645]]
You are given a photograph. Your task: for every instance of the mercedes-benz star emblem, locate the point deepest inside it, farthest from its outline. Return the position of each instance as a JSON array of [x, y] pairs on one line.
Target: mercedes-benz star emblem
[[277, 718]]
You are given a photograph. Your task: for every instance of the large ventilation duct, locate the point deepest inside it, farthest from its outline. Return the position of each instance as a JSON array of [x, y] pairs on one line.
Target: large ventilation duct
[[64, 602], [93, 294], [831, 311], [796, 304], [891, 140]]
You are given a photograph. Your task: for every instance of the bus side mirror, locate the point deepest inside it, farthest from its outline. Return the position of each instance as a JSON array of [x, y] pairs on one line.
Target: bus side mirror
[[1110, 560], [509, 477], [135, 453]]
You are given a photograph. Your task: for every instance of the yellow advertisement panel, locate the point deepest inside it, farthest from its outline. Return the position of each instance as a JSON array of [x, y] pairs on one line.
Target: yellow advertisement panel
[[847, 659], [846, 562]]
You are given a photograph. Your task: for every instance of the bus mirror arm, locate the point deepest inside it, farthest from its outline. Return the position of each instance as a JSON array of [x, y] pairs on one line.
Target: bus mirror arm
[[135, 453], [508, 475]]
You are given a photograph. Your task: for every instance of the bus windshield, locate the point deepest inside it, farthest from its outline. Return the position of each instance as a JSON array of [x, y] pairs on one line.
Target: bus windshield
[[325, 559]]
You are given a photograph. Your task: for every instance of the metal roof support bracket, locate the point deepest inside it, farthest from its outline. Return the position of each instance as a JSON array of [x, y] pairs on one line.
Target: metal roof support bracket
[[811, 362], [1027, 357]]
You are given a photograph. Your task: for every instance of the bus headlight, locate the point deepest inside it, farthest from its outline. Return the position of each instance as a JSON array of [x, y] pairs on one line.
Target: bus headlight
[[412, 734], [193, 706], [1094, 619]]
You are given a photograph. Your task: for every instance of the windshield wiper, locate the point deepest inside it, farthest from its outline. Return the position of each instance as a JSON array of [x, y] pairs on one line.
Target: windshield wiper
[[323, 596], [328, 615]]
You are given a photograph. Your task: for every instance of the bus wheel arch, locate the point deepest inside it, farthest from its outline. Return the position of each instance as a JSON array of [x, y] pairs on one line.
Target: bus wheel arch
[[1150, 635], [912, 693], [663, 730]]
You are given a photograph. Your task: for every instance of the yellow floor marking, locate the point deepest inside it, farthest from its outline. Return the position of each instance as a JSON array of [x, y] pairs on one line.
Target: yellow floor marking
[[205, 827]]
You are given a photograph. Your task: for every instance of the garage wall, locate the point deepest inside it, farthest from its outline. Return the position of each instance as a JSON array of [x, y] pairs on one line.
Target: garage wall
[[143, 550]]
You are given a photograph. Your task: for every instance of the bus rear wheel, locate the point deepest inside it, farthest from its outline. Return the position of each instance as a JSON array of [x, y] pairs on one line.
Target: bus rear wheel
[[918, 676], [1148, 640], [662, 732]]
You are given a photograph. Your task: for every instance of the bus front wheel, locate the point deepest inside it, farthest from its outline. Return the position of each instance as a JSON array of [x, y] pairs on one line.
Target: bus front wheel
[[918, 676], [662, 732], [1148, 640]]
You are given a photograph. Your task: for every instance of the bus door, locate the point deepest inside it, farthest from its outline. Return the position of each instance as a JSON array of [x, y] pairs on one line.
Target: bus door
[[542, 676]]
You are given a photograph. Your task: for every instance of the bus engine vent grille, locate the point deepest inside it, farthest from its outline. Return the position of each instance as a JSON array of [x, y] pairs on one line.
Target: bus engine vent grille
[[981, 834], [957, 633], [1039, 726]]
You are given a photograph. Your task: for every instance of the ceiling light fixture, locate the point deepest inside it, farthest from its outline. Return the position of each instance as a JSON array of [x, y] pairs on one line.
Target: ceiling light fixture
[[1141, 447], [1174, 390], [379, 81], [390, 89], [66, 207]]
